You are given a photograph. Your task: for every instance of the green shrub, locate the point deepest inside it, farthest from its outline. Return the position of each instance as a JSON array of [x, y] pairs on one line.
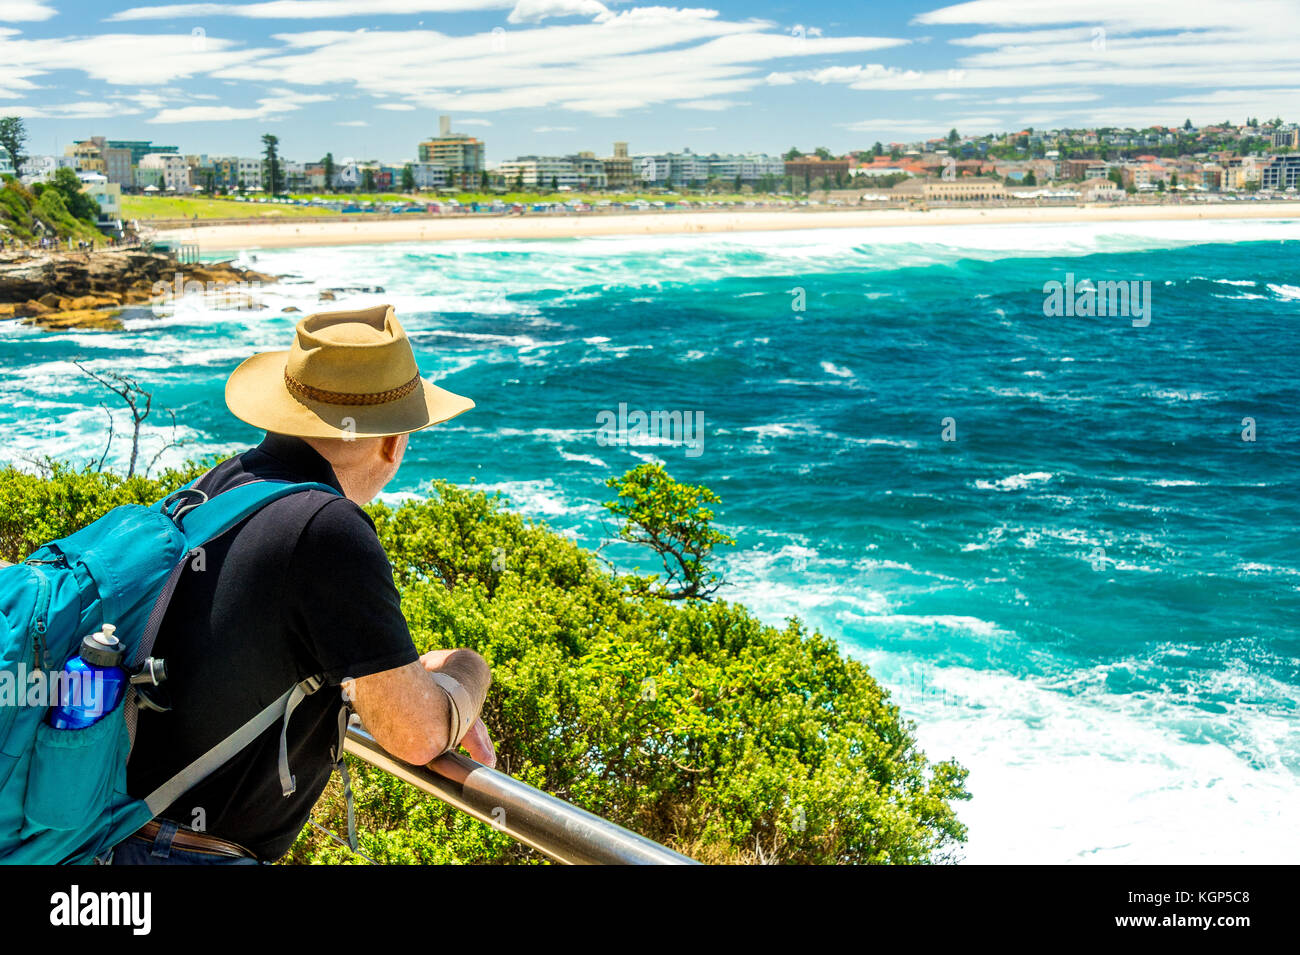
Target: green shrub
[[691, 722]]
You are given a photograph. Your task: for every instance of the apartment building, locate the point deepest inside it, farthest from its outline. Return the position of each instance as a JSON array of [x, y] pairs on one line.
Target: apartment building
[[620, 168], [1280, 173], [175, 171], [463, 155]]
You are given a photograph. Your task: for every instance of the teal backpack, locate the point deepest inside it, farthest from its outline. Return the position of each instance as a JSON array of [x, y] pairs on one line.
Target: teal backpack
[[63, 795]]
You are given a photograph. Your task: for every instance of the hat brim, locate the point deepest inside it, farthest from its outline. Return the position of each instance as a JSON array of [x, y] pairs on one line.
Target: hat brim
[[256, 393]]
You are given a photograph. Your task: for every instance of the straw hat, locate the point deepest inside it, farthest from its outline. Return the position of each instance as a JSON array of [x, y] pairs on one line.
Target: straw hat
[[348, 373]]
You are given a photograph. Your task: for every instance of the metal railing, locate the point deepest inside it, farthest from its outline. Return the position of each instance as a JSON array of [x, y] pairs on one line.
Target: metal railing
[[548, 824]]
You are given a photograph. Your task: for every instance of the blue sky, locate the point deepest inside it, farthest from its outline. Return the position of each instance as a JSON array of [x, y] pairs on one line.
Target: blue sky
[[557, 76]]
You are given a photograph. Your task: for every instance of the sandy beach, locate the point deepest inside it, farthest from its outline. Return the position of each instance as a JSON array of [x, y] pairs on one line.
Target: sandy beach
[[297, 233]]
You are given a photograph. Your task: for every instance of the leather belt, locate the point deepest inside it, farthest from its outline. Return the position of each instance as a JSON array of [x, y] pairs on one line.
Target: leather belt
[[195, 841]]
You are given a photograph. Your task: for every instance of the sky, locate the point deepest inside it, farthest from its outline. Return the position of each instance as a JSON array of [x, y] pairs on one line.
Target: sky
[[553, 77]]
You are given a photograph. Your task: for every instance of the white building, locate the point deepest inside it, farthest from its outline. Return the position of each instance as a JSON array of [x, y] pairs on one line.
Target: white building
[[248, 171], [175, 171], [750, 167], [430, 175]]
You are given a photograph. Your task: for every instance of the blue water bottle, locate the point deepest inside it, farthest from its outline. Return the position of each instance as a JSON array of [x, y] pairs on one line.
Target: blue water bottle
[[92, 684]]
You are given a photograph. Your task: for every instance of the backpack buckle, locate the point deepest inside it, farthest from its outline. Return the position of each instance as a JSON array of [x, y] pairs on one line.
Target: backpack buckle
[[176, 501]]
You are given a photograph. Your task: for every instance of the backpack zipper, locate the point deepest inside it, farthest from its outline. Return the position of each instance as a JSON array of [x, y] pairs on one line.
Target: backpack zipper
[[39, 620]]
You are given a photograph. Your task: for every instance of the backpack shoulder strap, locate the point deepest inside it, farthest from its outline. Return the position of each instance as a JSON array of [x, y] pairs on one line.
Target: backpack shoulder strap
[[213, 516], [279, 709]]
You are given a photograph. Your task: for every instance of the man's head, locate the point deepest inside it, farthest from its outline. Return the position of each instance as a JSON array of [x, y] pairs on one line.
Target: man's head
[[363, 466]]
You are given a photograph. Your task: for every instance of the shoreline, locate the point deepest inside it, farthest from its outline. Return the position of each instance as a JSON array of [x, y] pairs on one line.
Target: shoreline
[[304, 233]]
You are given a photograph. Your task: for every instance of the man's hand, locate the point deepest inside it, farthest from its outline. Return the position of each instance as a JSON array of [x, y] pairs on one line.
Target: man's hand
[[452, 662], [479, 744]]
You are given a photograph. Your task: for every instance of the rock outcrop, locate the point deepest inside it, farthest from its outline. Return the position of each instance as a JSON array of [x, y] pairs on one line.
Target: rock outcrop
[[66, 290]]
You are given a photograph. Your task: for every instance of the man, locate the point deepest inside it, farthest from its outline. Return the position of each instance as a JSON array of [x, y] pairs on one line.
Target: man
[[301, 588]]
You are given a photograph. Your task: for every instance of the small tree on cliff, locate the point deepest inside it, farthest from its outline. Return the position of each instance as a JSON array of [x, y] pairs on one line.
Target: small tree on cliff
[[673, 520]]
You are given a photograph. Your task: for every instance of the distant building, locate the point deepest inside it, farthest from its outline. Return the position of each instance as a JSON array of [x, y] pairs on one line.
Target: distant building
[[430, 175], [1280, 173], [812, 168], [678, 170], [1285, 136], [85, 155], [148, 177], [139, 148], [541, 172], [965, 189], [118, 165], [107, 195], [248, 173], [748, 167], [1240, 172], [175, 171], [620, 168], [1100, 190], [463, 155]]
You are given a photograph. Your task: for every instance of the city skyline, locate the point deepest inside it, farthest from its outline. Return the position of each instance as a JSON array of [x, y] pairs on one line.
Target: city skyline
[[559, 76]]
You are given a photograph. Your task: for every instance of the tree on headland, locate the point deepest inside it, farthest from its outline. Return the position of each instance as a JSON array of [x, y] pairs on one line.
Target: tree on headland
[[877, 149], [673, 520], [272, 163], [13, 137], [821, 152], [328, 164], [367, 180], [953, 137], [792, 153], [408, 178]]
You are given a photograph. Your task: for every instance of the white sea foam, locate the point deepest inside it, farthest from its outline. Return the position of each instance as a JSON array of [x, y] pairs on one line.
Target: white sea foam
[[1015, 482]]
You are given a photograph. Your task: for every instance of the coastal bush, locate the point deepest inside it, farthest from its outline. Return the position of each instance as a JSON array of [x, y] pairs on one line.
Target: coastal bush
[[21, 209], [689, 721]]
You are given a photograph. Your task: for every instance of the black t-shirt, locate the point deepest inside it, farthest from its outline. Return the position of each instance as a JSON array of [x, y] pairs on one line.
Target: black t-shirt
[[300, 588]]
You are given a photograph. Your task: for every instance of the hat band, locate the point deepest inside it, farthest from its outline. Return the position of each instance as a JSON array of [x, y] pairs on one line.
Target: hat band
[[305, 392]]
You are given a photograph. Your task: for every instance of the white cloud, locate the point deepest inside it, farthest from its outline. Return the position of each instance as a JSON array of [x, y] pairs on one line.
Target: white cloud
[[123, 59], [396, 107], [353, 122], [534, 11], [12, 11], [305, 9], [637, 58], [265, 108], [554, 129], [89, 109], [710, 105], [473, 122]]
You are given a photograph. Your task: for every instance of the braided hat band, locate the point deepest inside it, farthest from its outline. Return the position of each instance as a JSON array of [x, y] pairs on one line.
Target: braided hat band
[[305, 392]]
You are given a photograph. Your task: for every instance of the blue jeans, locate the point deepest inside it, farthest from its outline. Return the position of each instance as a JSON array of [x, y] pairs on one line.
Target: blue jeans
[[137, 850]]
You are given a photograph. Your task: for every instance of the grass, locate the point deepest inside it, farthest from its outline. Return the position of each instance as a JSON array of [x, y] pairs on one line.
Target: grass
[[184, 207], [145, 208]]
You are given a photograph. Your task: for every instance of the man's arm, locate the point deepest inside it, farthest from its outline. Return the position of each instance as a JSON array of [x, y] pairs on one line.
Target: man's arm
[[409, 714]]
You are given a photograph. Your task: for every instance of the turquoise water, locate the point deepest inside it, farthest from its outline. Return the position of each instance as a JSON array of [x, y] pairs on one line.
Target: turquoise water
[[1088, 597]]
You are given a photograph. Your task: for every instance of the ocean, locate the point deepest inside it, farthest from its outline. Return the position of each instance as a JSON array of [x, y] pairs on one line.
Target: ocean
[[1065, 541]]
